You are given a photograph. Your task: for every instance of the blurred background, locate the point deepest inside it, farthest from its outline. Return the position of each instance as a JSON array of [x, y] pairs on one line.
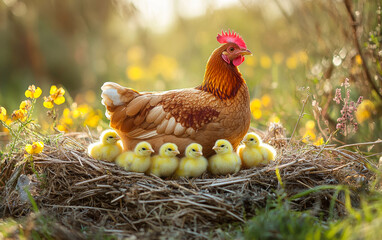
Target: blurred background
[[300, 48]]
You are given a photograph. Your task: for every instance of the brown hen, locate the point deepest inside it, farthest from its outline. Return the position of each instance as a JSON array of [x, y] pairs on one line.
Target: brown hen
[[217, 109]]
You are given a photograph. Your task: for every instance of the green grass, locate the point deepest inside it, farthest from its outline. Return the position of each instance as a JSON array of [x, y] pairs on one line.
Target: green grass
[[279, 221]]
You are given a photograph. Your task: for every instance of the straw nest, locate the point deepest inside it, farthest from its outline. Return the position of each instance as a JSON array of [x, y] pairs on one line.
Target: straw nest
[[83, 193]]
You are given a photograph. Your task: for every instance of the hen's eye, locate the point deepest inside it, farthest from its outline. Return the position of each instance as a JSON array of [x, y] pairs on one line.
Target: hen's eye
[[231, 49]]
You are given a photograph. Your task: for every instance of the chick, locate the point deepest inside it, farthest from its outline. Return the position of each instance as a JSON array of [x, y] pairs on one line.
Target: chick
[[255, 153], [107, 148], [225, 160], [165, 164], [137, 161], [193, 164]]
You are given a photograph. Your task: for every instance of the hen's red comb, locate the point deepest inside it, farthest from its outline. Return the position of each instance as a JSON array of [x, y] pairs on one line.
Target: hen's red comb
[[231, 37]]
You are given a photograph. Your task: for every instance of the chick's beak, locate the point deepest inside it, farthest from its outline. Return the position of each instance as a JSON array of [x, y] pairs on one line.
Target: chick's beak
[[200, 153], [117, 138], [215, 148], [177, 152], [245, 52], [151, 150]]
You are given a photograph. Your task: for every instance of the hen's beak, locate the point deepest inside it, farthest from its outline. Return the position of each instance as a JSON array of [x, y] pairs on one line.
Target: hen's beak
[[245, 52]]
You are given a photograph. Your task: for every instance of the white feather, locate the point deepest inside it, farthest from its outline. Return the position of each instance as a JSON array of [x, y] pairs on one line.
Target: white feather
[[113, 95]]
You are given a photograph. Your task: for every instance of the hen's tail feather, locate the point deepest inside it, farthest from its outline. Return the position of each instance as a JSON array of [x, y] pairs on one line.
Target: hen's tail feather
[[114, 94]]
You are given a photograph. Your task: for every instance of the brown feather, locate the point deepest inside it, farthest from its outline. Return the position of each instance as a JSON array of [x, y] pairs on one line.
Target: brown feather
[[136, 105], [162, 127], [154, 113]]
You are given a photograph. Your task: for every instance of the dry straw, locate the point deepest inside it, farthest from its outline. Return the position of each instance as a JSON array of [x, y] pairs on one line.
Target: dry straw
[[82, 192]]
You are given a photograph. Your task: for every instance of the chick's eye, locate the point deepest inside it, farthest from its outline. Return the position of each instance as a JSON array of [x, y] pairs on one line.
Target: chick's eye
[[169, 149], [222, 145], [143, 149], [251, 139], [193, 150]]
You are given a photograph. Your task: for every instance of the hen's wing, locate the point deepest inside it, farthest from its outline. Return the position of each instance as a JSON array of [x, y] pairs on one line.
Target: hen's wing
[[146, 115]]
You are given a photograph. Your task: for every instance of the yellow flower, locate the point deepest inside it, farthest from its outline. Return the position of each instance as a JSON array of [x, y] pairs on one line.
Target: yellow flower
[[265, 61], [8, 123], [62, 128], [3, 114], [309, 125], [48, 102], [291, 62], [93, 119], [365, 110], [358, 59], [309, 135], [255, 104], [274, 119], [134, 73], [81, 111], [257, 114], [266, 100], [34, 148], [57, 94], [25, 105], [319, 141], [19, 115], [33, 92], [66, 121]]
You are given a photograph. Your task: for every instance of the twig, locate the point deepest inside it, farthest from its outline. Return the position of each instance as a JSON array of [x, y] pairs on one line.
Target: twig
[[81, 207], [91, 180], [298, 120], [358, 47], [226, 182], [360, 144]]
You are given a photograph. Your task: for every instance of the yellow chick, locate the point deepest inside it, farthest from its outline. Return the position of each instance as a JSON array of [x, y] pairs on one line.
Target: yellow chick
[[225, 160], [254, 152], [137, 161], [165, 164], [107, 148], [193, 164]]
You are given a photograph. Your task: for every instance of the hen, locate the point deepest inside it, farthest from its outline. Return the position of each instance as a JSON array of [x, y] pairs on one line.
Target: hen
[[218, 108]]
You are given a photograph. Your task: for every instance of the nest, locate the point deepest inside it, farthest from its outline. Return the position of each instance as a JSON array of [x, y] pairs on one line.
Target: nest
[[83, 193]]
